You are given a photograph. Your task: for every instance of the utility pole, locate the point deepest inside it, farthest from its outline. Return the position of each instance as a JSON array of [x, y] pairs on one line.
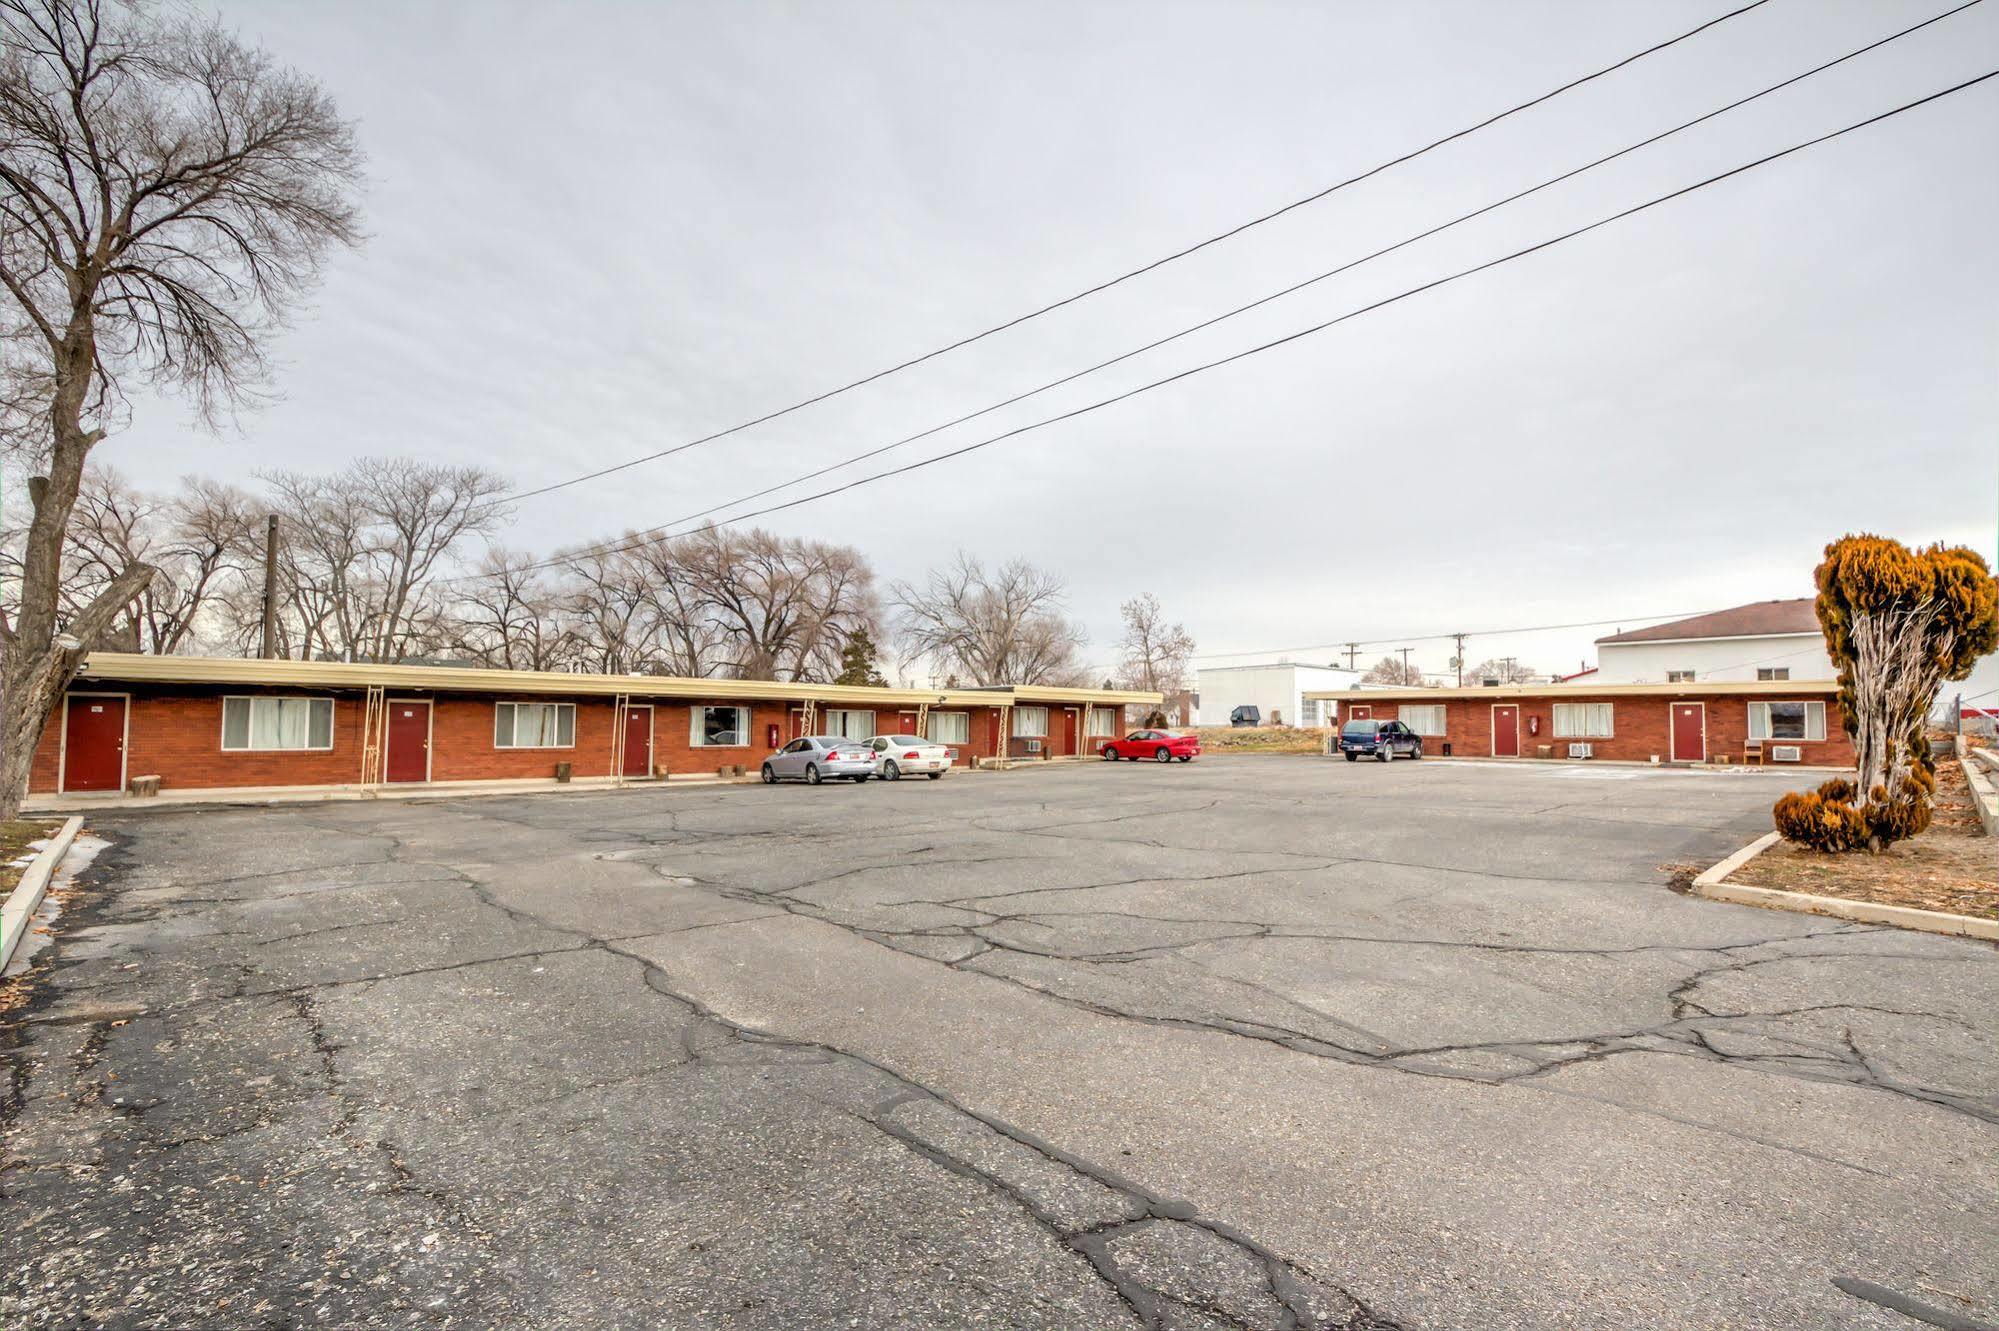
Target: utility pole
[[1460, 639], [270, 643], [1405, 665], [1353, 650]]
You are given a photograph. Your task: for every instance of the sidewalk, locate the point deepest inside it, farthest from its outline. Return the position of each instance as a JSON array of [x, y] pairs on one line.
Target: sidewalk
[[121, 802]]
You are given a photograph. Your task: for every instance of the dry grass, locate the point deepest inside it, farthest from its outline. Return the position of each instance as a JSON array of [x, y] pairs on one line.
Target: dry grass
[[15, 839], [1262, 739], [1953, 867]]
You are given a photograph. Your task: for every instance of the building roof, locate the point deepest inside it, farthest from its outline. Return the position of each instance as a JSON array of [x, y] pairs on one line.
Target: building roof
[[1761, 619], [1779, 688], [252, 673]]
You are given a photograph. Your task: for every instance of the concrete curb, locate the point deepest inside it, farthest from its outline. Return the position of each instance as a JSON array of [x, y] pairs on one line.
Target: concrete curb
[[1713, 885], [1984, 797], [26, 898], [237, 797]]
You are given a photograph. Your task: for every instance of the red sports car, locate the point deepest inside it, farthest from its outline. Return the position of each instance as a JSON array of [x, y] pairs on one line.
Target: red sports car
[[1162, 746]]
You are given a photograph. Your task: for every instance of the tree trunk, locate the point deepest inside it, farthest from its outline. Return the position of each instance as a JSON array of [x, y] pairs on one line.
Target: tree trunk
[[33, 682]]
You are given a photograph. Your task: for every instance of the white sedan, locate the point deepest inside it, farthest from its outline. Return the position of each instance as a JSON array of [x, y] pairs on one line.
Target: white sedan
[[897, 756]]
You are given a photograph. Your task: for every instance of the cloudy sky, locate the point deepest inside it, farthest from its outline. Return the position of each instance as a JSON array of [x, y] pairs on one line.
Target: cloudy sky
[[598, 231]]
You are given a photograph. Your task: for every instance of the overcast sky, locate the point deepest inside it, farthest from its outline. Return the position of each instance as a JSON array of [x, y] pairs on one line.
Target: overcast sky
[[601, 230]]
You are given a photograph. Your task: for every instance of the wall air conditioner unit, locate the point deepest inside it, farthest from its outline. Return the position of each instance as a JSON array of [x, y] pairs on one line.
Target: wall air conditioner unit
[[1031, 745], [1786, 753], [1581, 751]]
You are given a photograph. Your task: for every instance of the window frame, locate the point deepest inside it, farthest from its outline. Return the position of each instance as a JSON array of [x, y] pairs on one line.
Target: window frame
[[963, 718], [1681, 677], [1091, 725], [697, 732], [517, 704], [1020, 714], [1813, 707], [1443, 718], [1609, 730], [332, 713], [874, 722], [1773, 674]]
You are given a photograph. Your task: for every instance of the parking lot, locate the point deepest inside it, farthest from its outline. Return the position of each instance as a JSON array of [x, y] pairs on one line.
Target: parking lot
[[1247, 1042]]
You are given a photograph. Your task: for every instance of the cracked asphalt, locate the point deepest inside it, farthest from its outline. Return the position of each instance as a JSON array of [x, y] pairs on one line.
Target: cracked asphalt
[[1248, 1043]]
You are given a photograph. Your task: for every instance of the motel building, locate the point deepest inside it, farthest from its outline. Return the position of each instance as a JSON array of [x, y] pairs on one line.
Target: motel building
[[1750, 684], [1756, 722], [216, 724]]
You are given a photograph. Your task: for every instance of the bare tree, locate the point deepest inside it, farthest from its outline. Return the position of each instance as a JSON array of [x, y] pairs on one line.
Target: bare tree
[[1391, 670], [609, 609], [510, 616], [685, 638], [785, 607], [195, 541], [1156, 654], [1505, 669], [363, 547], [167, 195], [1006, 627]]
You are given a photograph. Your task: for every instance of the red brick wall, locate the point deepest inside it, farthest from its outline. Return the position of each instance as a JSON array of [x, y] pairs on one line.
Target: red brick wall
[[177, 736], [1640, 724]]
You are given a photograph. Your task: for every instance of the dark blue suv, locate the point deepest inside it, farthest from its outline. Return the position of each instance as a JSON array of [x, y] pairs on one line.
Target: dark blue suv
[[1380, 740]]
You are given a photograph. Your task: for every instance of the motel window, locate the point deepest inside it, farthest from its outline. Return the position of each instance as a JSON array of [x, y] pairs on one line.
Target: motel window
[[1773, 672], [720, 727], [1787, 720], [848, 724], [1030, 723], [258, 724], [1427, 719], [1308, 712], [950, 728], [1103, 722], [534, 725], [1583, 720], [1679, 676]]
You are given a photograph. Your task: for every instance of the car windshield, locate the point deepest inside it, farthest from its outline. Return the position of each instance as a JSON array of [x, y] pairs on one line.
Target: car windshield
[[1357, 728], [899, 740]]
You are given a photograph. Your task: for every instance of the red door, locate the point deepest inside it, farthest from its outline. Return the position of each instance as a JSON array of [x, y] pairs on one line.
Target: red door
[[408, 758], [1069, 732], [638, 741], [1505, 730], [93, 754], [1689, 732]]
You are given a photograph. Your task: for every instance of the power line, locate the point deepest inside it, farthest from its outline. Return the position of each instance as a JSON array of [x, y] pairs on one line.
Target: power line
[[1140, 271], [1295, 336], [1315, 279], [1344, 644]]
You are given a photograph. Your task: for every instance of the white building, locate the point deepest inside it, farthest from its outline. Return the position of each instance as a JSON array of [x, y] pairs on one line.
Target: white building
[[1275, 690], [1768, 640]]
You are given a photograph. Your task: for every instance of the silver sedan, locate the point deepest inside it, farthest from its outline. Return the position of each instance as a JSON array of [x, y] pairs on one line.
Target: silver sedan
[[816, 758], [898, 756]]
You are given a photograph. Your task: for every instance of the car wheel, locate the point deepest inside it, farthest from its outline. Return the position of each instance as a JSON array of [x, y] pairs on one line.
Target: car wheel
[[1162, 755], [1383, 754], [891, 772], [770, 777], [1353, 757], [812, 777], [936, 776], [1110, 754], [1416, 752]]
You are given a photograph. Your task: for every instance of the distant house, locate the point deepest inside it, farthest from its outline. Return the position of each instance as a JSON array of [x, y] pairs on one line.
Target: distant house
[[1768, 641], [1277, 690]]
